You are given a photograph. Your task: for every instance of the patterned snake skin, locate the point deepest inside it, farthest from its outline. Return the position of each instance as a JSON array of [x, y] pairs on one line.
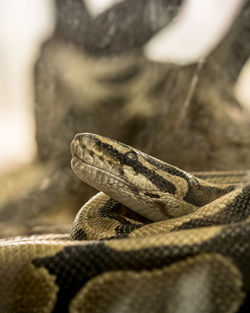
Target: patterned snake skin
[[155, 239]]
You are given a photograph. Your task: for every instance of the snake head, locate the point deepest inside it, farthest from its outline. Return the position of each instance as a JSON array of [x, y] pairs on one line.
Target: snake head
[[148, 186]]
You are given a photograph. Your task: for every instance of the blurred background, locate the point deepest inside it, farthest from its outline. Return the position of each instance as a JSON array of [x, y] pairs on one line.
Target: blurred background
[[25, 24]]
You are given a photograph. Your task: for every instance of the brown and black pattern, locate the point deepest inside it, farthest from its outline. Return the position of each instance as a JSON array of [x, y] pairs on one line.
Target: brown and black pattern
[[67, 269], [181, 264], [118, 260]]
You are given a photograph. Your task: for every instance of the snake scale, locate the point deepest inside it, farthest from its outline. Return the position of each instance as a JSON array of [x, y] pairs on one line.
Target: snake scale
[[154, 239]]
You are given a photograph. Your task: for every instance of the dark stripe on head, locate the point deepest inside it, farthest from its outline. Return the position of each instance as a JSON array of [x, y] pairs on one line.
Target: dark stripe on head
[[167, 168], [113, 151], [161, 183]]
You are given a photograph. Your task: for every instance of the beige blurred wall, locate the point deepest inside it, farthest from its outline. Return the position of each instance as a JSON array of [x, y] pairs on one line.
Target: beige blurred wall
[[23, 26]]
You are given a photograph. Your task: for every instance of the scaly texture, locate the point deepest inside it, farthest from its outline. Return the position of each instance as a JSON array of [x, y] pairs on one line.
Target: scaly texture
[[155, 239]]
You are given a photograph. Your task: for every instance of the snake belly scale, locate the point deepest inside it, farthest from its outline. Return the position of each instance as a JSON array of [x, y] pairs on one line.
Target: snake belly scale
[[154, 239]]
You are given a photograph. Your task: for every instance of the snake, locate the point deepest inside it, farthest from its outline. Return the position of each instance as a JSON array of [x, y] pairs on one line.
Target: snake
[[154, 238]]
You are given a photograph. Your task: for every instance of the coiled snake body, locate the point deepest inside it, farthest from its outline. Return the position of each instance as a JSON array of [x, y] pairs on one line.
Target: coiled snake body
[[155, 239]]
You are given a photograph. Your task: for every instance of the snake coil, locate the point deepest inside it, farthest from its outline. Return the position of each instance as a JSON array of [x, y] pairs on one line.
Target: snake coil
[[154, 239]]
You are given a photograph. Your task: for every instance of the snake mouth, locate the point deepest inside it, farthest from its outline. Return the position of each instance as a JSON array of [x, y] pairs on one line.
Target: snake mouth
[[89, 173], [91, 166]]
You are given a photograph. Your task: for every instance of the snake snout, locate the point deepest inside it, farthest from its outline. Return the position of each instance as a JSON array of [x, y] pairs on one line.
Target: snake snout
[[81, 140]]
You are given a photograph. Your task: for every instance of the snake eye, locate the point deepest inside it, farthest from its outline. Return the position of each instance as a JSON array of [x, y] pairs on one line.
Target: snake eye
[[130, 158]]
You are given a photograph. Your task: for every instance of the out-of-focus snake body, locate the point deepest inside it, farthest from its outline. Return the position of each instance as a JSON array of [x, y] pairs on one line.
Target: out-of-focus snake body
[[155, 239]]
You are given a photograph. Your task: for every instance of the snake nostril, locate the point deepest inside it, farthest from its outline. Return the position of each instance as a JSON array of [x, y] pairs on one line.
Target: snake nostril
[[78, 137]]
